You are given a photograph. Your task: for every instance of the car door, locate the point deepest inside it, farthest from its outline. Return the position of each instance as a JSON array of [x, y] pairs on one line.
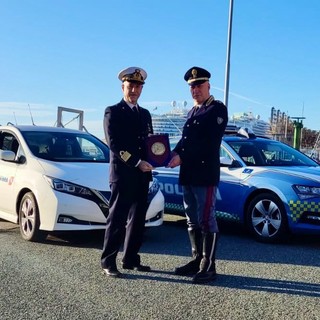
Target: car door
[[8, 170], [169, 185], [231, 190]]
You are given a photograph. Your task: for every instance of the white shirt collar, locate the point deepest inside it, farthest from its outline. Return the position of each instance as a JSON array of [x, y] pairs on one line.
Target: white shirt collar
[[131, 105]]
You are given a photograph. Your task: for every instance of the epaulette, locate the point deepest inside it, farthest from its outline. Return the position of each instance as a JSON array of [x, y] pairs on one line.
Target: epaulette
[[210, 100], [219, 102]]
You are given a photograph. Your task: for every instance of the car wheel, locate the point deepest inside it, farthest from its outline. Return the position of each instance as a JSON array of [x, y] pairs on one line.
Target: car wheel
[[266, 218], [29, 219]]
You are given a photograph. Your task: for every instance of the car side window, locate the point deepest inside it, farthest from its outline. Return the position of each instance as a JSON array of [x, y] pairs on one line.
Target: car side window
[[225, 154], [9, 142]]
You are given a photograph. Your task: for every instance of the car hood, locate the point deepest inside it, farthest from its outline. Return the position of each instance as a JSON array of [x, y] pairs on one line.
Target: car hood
[[89, 174], [312, 173]]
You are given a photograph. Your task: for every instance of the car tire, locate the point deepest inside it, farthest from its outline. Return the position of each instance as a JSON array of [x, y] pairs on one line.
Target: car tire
[[29, 219], [266, 218]]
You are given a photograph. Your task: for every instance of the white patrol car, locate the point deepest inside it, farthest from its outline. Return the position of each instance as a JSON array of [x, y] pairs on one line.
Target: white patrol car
[[267, 185], [56, 179]]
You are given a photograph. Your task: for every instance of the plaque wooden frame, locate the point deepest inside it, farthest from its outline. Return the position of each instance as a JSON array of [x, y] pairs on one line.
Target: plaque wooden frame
[[158, 149]]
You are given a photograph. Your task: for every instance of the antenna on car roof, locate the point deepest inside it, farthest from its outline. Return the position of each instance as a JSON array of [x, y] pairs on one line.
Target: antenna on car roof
[[15, 119], [31, 115]]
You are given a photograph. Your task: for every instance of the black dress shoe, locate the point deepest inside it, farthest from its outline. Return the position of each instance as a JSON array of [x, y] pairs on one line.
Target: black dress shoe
[[112, 272], [138, 267], [191, 268], [204, 277]]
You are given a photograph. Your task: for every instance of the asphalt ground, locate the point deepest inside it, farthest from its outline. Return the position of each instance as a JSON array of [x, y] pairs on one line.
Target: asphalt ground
[[61, 278]]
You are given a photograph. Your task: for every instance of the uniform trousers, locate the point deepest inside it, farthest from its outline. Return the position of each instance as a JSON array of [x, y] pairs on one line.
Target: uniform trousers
[[125, 223], [199, 204]]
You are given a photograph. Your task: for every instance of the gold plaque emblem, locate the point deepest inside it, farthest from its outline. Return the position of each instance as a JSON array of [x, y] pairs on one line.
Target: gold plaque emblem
[[158, 148]]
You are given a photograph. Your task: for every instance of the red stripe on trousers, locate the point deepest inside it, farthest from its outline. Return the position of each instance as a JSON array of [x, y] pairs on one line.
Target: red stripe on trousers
[[207, 207]]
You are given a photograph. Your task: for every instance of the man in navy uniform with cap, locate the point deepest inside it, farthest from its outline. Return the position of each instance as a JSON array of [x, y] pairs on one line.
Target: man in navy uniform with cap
[[126, 125], [198, 154]]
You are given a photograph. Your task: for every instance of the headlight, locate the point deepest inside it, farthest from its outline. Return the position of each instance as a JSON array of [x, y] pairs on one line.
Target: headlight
[[306, 192], [79, 191], [68, 187]]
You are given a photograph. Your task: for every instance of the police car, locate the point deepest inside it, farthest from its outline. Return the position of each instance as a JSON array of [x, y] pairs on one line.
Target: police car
[[56, 179], [270, 187]]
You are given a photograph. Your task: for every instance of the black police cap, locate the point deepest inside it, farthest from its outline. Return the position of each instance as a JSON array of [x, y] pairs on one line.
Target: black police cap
[[197, 75]]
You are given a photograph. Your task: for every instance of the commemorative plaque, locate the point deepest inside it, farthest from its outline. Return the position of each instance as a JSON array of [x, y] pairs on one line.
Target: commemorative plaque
[[158, 150]]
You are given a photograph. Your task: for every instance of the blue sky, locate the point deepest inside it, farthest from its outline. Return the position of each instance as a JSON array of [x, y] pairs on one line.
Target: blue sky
[[68, 53]]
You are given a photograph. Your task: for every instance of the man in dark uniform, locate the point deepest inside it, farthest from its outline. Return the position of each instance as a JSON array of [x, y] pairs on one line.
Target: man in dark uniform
[[198, 154], [126, 125]]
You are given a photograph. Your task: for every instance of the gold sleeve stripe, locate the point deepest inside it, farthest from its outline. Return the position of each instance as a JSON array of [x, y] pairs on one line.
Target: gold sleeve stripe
[[125, 155]]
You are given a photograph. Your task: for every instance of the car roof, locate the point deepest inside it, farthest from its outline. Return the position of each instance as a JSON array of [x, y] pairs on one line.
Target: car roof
[[234, 133], [29, 128], [239, 138]]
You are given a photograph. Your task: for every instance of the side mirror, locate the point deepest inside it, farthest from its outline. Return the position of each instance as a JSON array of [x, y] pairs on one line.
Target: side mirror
[[235, 164], [7, 155], [22, 159], [230, 163], [225, 162]]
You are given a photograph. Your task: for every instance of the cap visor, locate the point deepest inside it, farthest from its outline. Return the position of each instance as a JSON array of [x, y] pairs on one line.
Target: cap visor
[[197, 82]]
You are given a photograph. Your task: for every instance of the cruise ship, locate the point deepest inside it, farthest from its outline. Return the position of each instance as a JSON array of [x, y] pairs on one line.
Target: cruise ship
[[172, 122], [248, 120]]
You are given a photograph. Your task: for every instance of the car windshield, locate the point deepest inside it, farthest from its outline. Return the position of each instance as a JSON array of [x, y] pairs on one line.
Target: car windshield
[[269, 153], [66, 146]]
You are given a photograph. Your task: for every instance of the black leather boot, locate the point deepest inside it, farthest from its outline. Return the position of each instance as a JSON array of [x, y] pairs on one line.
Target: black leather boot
[[207, 270], [193, 266]]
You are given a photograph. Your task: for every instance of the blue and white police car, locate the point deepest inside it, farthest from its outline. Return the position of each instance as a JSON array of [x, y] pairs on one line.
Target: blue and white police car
[[270, 187], [56, 179]]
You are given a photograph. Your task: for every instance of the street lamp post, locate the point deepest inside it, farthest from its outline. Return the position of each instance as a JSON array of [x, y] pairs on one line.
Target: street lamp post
[[226, 87], [297, 132]]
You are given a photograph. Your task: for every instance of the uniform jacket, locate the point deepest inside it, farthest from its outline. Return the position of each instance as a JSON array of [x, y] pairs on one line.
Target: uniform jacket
[[199, 147], [125, 133]]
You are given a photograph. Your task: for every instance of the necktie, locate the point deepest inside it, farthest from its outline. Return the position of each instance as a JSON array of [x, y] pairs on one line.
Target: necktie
[[135, 109], [196, 109]]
